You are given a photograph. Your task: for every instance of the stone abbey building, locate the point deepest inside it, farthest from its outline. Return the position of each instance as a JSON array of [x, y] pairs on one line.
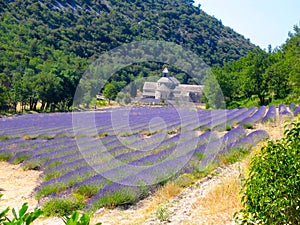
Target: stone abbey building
[[169, 88]]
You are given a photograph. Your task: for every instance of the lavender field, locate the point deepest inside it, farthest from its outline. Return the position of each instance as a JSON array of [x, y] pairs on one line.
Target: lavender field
[[126, 152]]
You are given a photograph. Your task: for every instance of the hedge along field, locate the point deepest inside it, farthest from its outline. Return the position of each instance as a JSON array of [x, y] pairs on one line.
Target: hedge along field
[[162, 143]]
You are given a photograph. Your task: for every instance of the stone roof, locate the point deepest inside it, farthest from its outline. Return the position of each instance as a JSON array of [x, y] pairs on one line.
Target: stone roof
[[189, 88], [163, 87], [165, 80], [150, 86], [174, 80]]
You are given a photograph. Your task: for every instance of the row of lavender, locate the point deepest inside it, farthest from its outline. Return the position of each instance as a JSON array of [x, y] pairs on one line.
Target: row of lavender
[[127, 158]]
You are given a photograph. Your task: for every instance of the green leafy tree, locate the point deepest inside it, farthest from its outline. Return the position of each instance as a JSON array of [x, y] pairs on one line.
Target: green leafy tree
[[110, 92], [213, 93], [48, 88], [292, 55], [253, 77], [277, 75]]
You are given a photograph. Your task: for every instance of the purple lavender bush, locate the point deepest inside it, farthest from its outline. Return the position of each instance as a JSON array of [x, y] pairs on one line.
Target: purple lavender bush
[[297, 111], [283, 111], [271, 115]]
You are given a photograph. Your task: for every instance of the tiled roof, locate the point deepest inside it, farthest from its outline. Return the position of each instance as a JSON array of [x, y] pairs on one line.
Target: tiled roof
[[150, 85]]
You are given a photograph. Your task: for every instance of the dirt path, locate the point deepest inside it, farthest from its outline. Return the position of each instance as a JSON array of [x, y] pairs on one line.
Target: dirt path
[[205, 202], [17, 186]]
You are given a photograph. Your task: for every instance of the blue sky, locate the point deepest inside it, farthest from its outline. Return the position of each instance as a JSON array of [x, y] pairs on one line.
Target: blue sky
[[264, 22]]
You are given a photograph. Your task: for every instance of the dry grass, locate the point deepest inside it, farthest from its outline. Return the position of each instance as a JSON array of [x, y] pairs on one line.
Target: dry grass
[[220, 203], [274, 129], [161, 196], [166, 192], [140, 212]]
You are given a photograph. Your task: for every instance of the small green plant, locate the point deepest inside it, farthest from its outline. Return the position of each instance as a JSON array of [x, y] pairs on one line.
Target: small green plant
[[206, 129], [233, 155], [75, 219], [225, 128], [33, 164], [184, 180], [199, 155], [172, 132], [61, 135], [28, 137], [46, 136], [248, 125], [162, 213], [102, 135], [21, 158], [5, 155], [19, 217], [3, 213], [87, 191], [52, 175], [2, 138], [54, 164], [49, 189], [148, 133], [242, 219]]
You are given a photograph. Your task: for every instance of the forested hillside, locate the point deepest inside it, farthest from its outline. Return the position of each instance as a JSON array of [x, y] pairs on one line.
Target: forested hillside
[[261, 77], [46, 45]]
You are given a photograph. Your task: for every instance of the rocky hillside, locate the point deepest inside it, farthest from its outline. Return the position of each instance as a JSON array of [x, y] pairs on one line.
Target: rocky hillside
[[90, 27]]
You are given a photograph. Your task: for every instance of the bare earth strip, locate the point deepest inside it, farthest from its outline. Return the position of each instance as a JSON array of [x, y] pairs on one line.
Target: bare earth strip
[[17, 186]]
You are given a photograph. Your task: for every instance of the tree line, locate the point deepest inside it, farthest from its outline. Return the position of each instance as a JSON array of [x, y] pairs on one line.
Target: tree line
[[263, 77]]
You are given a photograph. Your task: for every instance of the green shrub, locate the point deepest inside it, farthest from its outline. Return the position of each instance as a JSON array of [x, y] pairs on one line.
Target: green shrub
[[49, 189], [61, 207], [122, 197], [87, 190], [33, 164], [271, 193]]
